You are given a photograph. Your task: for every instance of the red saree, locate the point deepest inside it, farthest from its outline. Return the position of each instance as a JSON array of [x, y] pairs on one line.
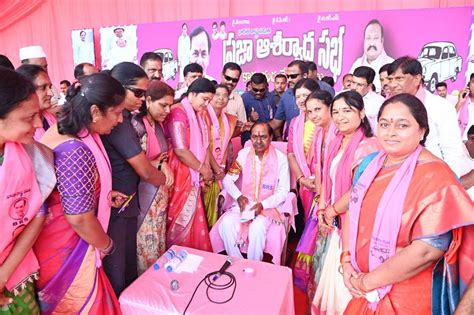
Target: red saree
[[186, 223], [435, 204]]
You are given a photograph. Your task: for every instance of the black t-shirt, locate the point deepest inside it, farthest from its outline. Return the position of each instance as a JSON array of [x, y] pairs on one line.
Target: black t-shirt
[[123, 144]]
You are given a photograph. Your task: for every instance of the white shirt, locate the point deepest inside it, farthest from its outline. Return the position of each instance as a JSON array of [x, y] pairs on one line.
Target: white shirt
[[236, 107], [453, 99], [180, 92], [184, 50], [381, 60], [281, 191], [444, 139], [470, 121], [372, 103]]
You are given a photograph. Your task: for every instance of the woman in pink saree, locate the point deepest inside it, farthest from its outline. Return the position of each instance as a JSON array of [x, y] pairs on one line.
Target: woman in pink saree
[[309, 153], [222, 128], [352, 142], [73, 241], [189, 160], [27, 178]]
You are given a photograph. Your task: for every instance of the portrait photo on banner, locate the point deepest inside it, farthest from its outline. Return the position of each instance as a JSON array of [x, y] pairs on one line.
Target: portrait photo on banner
[[83, 46], [118, 44]]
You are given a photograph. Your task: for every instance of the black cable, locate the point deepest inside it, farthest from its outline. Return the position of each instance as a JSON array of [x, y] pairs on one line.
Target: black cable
[[232, 282]]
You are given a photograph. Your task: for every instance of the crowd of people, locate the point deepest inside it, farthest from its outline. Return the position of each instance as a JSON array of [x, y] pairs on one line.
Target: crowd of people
[[100, 179]]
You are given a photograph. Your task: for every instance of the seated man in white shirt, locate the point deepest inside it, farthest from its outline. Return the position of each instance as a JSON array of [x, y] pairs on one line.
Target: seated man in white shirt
[[263, 184], [362, 82]]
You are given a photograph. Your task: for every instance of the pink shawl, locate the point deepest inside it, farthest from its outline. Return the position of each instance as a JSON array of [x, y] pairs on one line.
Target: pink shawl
[[20, 202], [153, 148], [266, 181], [463, 116], [298, 146], [199, 140], [389, 213], [94, 143], [344, 169], [216, 134], [51, 119]]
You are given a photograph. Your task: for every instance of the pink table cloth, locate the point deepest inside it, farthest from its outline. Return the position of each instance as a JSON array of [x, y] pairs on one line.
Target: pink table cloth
[[268, 291]]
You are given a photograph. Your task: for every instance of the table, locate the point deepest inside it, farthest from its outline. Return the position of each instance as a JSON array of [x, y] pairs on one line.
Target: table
[[269, 291]]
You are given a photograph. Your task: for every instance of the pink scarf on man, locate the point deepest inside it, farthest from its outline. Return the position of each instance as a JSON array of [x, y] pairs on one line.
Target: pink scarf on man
[[153, 148], [266, 179], [216, 134], [19, 191], [344, 169], [94, 143], [389, 213], [51, 119], [463, 116], [199, 139]]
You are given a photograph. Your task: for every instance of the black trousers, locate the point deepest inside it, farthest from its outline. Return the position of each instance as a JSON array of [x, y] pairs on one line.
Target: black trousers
[[121, 265]]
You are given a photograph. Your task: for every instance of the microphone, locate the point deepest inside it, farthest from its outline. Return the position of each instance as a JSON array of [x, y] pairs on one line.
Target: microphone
[[224, 267]]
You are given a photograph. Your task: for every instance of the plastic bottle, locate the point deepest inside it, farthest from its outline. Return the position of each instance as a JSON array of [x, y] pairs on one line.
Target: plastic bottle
[[166, 257], [176, 261]]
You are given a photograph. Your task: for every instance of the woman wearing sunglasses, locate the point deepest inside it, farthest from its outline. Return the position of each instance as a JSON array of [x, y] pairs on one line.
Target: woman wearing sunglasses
[[151, 237], [189, 159], [129, 166]]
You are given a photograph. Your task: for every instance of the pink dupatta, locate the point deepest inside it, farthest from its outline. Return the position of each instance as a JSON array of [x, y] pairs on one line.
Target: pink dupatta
[[20, 202], [298, 146], [94, 143], [216, 134], [344, 169], [153, 148], [199, 140], [51, 119], [388, 218]]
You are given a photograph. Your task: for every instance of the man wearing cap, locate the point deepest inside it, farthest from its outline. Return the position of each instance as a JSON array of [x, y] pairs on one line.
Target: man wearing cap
[[35, 55]]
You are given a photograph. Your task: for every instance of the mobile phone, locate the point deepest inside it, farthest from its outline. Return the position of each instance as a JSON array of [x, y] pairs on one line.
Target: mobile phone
[[465, 93]]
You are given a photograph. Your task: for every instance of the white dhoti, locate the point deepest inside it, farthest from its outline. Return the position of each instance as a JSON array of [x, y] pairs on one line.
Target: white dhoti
[[229, 230]]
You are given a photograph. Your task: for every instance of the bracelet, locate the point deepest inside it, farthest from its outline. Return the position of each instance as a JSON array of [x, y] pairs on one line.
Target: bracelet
[[318, 212], [200, 166], [159, 165], [109, 249], [344, 254], [337, 213], [362, 285], [340, 269], [299, 178]]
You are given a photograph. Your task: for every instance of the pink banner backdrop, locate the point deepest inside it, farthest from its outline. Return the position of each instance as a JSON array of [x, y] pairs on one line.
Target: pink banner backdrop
[[333, 40]]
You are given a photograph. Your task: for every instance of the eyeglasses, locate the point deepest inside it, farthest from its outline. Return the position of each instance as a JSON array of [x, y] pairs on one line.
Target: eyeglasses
[[235, 80], [137, 92], [293, 76], [259, 90]]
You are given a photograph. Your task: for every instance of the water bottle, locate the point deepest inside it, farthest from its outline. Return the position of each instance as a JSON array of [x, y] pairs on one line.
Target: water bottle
[[176, 261], [166, 257]]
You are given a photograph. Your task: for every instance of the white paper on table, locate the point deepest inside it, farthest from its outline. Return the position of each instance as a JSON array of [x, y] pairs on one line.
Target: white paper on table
[[190, 264], [247, 214]]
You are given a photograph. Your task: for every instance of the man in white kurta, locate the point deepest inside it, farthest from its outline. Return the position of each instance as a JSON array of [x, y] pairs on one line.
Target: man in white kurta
[[362, 81], [444, 137], [266, 196]]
